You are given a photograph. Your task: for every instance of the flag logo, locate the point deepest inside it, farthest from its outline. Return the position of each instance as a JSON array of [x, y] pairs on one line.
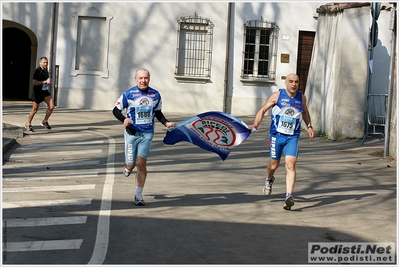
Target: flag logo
[[214, 131]]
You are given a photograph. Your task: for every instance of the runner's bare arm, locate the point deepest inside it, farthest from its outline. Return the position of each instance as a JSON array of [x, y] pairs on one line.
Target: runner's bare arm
[[261, 113], [305, 113], [306, 117]]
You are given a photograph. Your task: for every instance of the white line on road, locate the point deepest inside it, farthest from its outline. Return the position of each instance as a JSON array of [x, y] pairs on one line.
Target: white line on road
[[55, 153], [42, 245], [45, 203], [49, 221], [52, 177], [40, 165], [49, 188], [102, 238], [61, 135], [103, 227], [65, 143]]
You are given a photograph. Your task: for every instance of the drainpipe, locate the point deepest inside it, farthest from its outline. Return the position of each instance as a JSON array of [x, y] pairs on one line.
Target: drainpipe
[[52, 33], [226, 101], [392, 27]]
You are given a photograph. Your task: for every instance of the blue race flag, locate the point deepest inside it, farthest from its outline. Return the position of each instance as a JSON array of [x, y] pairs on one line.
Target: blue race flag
[[214, 131]]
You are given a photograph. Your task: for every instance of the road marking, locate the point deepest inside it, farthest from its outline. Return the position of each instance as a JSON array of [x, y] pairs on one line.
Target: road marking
[[58, 135], [55, 153], [49, 221], [43, 245], [52, 177], [49, 188], [39, 165], [45, 203], [103, 227], [65, 143], [102, 237]]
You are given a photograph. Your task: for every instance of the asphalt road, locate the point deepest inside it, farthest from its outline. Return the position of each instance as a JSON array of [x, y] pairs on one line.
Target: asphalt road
[[66, 201]]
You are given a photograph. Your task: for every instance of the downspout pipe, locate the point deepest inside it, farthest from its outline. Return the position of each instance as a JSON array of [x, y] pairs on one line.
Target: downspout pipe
[[391, 79], [52, 33], [226, 106]]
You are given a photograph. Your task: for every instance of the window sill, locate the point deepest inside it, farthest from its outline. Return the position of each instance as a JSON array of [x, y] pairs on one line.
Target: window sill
[[103, 74], [187, 79], [258, 81]]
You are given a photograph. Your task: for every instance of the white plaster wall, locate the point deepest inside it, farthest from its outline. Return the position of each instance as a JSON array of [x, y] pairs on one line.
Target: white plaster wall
[[381, 54], [142, 35], [36, 17], [351, 90], [337, 85], [291, 17], [322, 75]]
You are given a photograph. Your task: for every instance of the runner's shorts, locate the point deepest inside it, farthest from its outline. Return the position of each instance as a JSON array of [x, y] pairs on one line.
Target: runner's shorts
[[39, 96], [281, 142], [138, 144]]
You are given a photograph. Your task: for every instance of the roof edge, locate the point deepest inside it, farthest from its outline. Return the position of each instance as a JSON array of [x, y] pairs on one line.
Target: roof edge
[[339, 7]]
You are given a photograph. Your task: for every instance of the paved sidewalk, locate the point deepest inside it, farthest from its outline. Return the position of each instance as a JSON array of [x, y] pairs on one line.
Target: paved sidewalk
[[10, 134], [202, 210]]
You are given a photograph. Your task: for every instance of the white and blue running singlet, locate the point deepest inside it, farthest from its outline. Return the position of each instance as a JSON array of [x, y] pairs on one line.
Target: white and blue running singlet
[[286, 114], [140, 107]]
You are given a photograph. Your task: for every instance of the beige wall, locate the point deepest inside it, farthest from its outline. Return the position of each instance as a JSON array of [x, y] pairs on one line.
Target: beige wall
[[337, 82], [144, 34], [393, 134]]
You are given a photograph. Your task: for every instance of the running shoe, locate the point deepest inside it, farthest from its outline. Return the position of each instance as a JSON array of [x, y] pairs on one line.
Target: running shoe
[[45, 125], [29, 128], [139, 202], [289, 202], [126, 172], [267, 190]]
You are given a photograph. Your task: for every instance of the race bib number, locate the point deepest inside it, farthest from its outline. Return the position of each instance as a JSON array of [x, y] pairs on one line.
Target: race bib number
[[143, 114], [45, 87], [286, 125]]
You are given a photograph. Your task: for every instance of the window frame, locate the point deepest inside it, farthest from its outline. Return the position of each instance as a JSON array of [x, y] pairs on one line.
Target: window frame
[[194, 49], [95, 15], [253, 45]]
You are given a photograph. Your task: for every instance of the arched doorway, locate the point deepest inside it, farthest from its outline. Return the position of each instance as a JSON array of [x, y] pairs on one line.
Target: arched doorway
[[16, 64]]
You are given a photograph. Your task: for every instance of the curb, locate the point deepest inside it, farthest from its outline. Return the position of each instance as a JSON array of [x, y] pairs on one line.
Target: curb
[[8, 143], [10, 135]]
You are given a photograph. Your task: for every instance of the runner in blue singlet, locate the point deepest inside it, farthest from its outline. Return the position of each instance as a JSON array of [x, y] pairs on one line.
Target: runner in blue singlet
[[287, 107], [142, 104]]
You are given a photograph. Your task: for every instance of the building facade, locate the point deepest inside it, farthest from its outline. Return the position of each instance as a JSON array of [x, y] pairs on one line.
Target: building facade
[[202, 56]]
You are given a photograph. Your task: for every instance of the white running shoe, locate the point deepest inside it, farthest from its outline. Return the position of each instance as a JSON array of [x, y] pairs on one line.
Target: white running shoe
[[126, 172], [267, 190], [138, 201], [289, 202]]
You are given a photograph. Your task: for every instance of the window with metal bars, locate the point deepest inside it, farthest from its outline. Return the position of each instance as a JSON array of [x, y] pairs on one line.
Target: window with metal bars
[[194, 49], [259, 52]]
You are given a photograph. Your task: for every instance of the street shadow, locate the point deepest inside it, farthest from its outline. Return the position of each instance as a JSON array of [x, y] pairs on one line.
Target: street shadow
[[137, 235]]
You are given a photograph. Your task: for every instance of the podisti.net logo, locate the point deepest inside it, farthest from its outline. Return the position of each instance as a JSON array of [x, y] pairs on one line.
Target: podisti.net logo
[[347, 252]]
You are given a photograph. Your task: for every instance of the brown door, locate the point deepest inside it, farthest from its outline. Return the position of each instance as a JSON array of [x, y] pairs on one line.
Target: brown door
[[305, 48]]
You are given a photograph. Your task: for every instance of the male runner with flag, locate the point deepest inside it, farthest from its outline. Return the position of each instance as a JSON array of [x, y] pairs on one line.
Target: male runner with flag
[[288, 104], [142, 104]]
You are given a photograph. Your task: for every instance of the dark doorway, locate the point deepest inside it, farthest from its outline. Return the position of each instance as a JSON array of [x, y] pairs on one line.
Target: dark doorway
[[305, 48], [16, 64]]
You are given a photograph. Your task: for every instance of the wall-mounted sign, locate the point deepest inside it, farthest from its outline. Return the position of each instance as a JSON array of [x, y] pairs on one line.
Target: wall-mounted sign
[[285, 58]]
